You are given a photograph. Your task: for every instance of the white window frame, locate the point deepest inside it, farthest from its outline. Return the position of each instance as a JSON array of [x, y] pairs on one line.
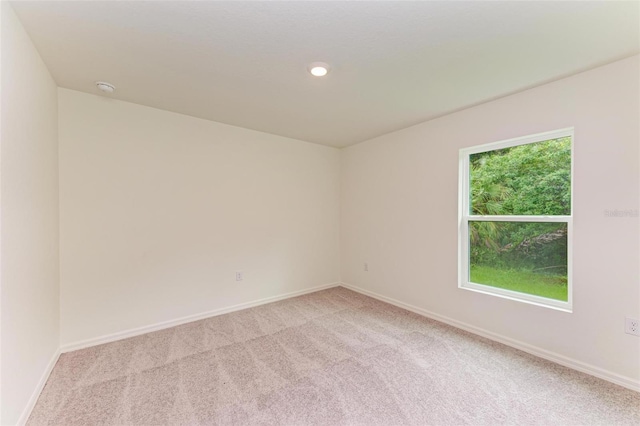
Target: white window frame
[[464, 217]]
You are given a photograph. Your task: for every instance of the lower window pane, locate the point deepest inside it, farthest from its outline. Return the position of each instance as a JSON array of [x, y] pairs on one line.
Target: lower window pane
[[527, 257]]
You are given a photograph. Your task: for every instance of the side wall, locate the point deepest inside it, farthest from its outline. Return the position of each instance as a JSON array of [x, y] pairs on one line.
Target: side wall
[[399, 214], [159, 210], [29, 291]]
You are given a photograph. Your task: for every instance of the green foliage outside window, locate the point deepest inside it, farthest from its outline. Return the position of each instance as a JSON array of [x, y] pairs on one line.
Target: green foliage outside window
[[525, 180]]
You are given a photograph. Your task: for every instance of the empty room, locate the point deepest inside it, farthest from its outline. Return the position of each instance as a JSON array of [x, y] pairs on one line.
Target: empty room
[[320, 213]]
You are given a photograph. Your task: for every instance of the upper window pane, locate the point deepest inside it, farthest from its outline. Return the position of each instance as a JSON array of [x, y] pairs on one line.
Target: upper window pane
[[523, 180]]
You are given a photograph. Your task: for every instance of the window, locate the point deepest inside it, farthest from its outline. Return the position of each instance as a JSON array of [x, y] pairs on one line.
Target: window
[[515, 219]]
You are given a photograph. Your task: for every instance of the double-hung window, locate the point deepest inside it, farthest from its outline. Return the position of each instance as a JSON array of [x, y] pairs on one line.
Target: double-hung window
[[515, 219]]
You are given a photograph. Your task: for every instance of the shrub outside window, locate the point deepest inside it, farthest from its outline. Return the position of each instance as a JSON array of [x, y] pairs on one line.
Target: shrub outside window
[[515, 219]]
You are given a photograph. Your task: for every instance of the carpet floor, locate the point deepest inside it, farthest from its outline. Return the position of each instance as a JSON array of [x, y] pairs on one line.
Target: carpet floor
[[334, 357]]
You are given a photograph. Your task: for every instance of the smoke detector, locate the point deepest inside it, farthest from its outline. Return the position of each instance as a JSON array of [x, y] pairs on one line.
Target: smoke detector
[[106, 87]]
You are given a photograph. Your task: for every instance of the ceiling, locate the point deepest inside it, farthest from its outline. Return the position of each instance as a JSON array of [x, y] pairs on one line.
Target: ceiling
[[394, 64]]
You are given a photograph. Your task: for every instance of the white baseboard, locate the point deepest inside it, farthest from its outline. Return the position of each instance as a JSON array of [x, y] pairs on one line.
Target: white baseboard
[[583, 367], [107, 338], [36, 392]]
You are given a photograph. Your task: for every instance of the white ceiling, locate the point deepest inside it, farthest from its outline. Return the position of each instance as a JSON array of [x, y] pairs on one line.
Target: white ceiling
[[394, 63]]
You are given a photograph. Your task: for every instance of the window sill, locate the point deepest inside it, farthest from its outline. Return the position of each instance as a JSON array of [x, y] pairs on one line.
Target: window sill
[[544, 302]]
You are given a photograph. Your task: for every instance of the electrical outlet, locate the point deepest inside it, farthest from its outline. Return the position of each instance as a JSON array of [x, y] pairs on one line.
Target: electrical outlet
[[632, 326], [366, 267], [239, 276]]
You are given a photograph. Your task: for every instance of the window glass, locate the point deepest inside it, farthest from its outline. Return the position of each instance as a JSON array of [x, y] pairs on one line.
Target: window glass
[[516, 219]]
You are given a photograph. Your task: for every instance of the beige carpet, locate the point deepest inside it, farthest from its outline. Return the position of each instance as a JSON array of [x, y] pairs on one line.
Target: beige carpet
[[333, 357]]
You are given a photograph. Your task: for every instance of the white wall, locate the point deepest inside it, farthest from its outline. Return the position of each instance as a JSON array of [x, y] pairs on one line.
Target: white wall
[[29, 291], [158, 210], [399, 213]]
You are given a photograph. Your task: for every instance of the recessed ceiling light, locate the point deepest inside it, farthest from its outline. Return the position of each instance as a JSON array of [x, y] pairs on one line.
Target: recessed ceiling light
[[319, 69], [106, 87]]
